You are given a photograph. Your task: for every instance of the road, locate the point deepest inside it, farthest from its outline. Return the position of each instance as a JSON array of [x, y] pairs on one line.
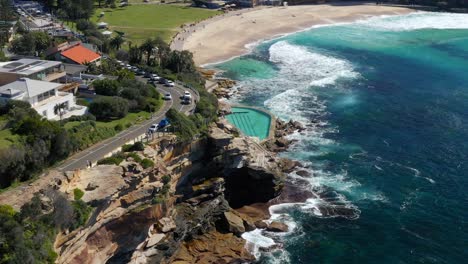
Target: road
[[99, 150]]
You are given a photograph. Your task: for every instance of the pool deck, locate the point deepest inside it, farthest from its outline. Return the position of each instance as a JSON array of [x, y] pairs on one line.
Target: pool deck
[[271, 131]]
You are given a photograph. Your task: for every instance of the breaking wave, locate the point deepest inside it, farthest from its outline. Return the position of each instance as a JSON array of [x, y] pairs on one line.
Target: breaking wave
[[415, 21]]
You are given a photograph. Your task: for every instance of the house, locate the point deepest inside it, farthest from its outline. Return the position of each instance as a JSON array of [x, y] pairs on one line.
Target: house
[[50, 71], [79, 54], [43, 97]]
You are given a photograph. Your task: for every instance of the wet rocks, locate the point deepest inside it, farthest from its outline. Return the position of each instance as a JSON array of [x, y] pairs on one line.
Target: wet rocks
[[261, 224], [277, 227]]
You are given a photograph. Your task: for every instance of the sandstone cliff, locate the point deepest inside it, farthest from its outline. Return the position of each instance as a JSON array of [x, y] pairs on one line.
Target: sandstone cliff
[[134, 222]]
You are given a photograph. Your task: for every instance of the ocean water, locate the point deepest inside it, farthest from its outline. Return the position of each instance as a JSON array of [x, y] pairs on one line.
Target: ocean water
[[385, 102]]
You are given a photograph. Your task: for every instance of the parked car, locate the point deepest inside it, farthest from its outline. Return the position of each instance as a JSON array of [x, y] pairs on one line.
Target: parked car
[[162, 80], [167, 96], [140, 72], [187, 94], [153, 128], [148, 75], [155, 78]]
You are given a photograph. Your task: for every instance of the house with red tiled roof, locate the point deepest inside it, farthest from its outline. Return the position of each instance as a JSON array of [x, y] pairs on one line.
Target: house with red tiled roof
[[79, 54]]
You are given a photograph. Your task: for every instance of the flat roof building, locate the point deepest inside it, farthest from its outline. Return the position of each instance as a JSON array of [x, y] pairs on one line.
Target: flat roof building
[[31, 68]]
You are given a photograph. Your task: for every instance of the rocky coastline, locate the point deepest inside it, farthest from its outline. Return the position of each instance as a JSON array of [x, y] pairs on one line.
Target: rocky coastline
[[220, 187]]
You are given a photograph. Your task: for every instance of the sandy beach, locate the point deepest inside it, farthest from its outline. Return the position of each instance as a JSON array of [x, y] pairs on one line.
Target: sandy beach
[[226, 36]]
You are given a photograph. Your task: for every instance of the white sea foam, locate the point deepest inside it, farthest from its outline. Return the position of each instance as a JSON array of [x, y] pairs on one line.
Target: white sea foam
[[256, 241], [415, 21], [301, 64]]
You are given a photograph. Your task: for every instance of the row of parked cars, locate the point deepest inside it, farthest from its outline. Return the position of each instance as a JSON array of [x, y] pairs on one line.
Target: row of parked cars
[[153, 78]]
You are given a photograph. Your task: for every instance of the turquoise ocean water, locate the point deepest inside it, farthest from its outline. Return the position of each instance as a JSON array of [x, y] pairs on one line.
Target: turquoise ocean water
[[385, 101]]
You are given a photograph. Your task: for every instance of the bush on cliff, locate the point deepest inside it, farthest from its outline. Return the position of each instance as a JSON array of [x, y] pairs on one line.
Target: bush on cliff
[[184, 127]]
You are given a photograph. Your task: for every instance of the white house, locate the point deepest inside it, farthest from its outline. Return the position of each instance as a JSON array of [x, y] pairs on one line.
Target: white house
[[43, 97]]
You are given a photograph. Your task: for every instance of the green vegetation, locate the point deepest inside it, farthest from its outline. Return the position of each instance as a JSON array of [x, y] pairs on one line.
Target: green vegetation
[[30, 42], [28, 236], [115, 159], [78, 194], [7, 138], [140, 22], [109, 107], [138, 146], [146, 163]]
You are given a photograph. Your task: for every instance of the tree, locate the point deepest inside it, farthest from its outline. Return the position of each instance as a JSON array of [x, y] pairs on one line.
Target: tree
[[117, 42], [106, 107], [106, 87], [148, 47], [181, 61], [30, 43], [59, 109], [134, 55], [125, 74]]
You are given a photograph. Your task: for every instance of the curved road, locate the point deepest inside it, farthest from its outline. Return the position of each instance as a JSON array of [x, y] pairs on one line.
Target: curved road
[[99, 150]]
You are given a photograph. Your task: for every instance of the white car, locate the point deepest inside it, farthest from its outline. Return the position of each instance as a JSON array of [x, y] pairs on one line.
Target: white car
[[168, 96], [170, 83], [187, 95], [153, 128]]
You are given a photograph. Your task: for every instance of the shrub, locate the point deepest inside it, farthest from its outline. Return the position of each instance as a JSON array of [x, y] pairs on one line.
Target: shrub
[[157, 200], [118, 127], [78, 194], [185, 127], [105, 108], [82, 212], [165, 189], [106, 87], [134, 156], [116, 160], [138, 146], [166, 179], [146, 163], [85, 117]]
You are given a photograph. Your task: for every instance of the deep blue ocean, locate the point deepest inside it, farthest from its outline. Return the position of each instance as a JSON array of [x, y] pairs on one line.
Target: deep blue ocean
[[385, 102]]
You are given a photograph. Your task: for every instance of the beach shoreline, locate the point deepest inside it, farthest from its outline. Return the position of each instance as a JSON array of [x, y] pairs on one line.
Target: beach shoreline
[[212, 41]]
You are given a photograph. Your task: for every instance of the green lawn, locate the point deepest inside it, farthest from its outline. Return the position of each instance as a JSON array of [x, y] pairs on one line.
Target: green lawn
[[131, 118], [140, 22], [7, 138]]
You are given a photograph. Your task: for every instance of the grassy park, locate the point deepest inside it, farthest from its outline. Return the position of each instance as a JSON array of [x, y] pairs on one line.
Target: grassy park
[[140, 22]]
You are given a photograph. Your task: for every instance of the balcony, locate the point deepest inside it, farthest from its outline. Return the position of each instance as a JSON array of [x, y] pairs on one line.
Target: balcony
[[50, 77]]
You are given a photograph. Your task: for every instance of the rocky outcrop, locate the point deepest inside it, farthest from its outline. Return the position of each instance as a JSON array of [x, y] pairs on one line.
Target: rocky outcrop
[[235, 224], [213, 247], [277, 227], [279, 141], [224, 88], [251, 172]]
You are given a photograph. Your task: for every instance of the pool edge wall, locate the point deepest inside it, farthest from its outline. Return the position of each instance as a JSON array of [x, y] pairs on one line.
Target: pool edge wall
[[271, 130]]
